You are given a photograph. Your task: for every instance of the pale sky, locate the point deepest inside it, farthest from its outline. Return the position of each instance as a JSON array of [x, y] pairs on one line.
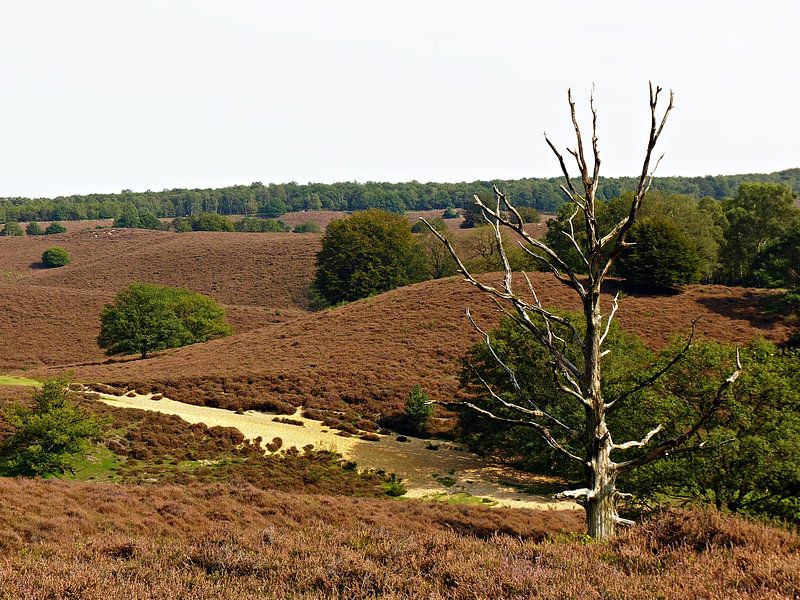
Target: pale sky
[[103, 95]]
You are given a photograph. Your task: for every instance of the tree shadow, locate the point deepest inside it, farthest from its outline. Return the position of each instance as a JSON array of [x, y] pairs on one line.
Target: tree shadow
[[627, 288], [761, 309]]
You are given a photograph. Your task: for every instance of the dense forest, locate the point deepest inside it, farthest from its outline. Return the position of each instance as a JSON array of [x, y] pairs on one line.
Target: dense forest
[[275, 199]]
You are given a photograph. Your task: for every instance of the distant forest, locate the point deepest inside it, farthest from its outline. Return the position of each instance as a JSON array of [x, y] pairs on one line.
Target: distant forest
[[275, 199]]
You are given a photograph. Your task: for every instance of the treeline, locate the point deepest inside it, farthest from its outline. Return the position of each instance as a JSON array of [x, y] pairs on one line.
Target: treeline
[[275, 199]]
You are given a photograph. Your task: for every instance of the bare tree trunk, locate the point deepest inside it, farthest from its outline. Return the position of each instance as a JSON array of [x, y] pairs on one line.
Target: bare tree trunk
[[580, 383]]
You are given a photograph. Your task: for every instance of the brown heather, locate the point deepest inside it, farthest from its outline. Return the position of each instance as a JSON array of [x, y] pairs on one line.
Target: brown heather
[[64, 539]]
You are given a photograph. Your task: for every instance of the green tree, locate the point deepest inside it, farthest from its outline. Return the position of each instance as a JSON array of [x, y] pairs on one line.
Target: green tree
[[751, 449], [450, 213], [529, 214], [370, 252], [33, 228], [660, 255], [128, 218], [55, 257], [147, 220], [55, 227], [12, 229], [778, 265], [144, 318], [757, 215], [207, 221], [49, 437], [418, 408]]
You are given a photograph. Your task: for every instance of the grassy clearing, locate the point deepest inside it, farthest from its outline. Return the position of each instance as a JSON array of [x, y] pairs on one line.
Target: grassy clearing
[[100, 464], [18, 381], [459, 498]]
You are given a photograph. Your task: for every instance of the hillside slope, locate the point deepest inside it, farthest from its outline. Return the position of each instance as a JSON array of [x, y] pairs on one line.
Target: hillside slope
[[371, 352]]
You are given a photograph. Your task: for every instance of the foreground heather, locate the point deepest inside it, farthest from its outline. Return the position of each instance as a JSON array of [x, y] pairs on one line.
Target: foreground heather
[[62, 539]]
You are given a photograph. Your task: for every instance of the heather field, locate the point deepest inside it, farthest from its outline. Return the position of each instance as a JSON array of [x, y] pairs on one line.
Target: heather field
[[67, 539], [164, 508]]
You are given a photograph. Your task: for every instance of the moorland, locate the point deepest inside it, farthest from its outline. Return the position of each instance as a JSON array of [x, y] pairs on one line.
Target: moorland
[[164, 507]]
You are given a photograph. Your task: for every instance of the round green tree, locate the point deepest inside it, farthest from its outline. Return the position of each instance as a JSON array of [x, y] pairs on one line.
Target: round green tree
[[659, 255], [12, 228], [33, 228], [55, 257], [144, 318], [367, 253], [55, 227]]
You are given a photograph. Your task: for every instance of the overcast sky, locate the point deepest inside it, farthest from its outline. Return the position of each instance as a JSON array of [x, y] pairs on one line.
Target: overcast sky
[[103, 95]]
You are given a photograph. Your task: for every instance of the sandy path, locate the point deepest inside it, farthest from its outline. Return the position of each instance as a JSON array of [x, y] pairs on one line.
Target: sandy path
[[418, 466]]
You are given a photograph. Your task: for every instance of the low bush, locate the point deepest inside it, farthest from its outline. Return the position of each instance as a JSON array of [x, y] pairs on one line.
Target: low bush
[[308, 227], [55, 257]]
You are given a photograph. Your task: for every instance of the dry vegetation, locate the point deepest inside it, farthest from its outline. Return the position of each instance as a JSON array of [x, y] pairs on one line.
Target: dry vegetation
[[82, 540], [366, 356], [192, 511]]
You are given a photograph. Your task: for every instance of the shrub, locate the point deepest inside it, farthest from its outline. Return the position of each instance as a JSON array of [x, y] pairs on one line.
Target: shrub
[[33, 228], [55, 257], [55, 227], [12, 229], [370, 252], [394, 487], [528, 214], [418, 408], [307, 227], [450, 213], [205, 221], [253, 225]]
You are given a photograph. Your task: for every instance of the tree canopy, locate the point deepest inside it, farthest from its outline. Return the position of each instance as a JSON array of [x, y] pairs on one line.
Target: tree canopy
[[370, 252], [144, 318], [757, 215], [49, 437], [272, 200]]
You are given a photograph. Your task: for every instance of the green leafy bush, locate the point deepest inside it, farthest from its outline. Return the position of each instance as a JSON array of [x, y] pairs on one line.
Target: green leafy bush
[[450, 213], [418, 408], [253, 225], [660, 255], [33, 228], [55, 257], [55, 227], [308, 227], [12, 229]]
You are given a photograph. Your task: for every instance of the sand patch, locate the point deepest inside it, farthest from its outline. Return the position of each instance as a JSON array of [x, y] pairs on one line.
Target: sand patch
[[425, 472]]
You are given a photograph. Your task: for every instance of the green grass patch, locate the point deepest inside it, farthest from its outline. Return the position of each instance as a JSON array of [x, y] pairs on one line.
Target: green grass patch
[[100, 464], [18, 381], [459, 498]]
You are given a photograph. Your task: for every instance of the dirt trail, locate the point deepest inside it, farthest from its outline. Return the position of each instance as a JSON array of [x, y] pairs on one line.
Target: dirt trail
[[421, 469]]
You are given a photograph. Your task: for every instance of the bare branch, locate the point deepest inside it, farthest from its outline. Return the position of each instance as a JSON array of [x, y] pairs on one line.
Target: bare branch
[[621, 230], [579, 493], [643, 442], [661, 372], [614, 307], [543, 431]]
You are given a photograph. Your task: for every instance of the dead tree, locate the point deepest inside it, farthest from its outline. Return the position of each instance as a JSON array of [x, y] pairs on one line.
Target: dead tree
[[580, 382]]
